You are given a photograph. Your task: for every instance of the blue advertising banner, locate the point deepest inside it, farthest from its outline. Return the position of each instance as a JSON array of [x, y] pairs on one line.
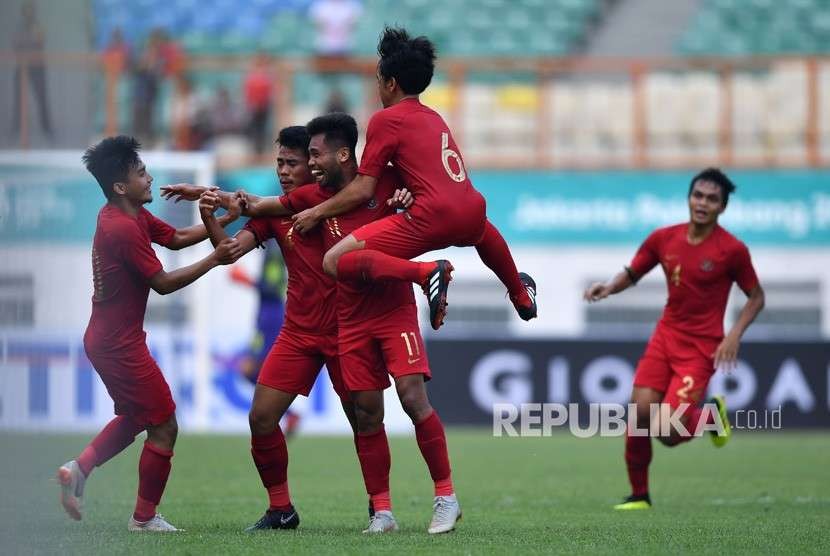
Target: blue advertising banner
[[770, 208], [786, 207]]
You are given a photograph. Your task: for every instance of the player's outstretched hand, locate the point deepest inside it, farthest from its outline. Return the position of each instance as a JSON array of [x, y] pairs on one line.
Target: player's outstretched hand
[[401, 199], [726, 356], [595, 292], [208, 202], [228, 251], [305, 221], [242, 196], [234, 207], [184, 191]]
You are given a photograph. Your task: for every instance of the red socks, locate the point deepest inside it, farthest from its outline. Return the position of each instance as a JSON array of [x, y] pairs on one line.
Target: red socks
[[374, 266], [113, 438], [433, 444], [271, 460], [153, 470], [494, 252], [375, 463], [637, 459]]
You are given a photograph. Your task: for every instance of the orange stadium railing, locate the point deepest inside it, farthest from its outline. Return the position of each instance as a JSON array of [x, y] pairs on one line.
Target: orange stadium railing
[[547, 72]]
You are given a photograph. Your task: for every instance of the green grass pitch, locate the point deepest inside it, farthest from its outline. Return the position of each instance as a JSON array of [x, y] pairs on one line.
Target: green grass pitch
[[763, 493]]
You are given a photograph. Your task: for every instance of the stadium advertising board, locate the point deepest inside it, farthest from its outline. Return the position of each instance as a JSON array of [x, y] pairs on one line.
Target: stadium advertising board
[[769, 207], [472, 376], [787, 207]]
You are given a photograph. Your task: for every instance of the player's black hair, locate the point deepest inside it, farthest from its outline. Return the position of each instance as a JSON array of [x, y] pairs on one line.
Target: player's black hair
[[294, 137], [110, 161], [410, 61], [340, 130], [717, 177]]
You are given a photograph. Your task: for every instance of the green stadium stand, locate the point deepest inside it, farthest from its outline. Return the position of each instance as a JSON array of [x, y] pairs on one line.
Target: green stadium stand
[[745, 27]]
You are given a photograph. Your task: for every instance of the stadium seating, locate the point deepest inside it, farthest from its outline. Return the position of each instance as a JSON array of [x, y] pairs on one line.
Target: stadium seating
[[742, 27], [490, 27]]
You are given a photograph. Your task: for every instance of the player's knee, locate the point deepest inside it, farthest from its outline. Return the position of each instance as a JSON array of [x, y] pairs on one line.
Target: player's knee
[[165, 434], [261, 421], [368, 420], [415, 404]]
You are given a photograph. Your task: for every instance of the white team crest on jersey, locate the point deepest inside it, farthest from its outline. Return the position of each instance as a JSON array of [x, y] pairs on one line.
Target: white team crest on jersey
[[706, 265]]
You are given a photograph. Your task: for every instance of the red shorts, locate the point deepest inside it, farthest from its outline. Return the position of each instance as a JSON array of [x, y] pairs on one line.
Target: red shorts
[[407, 237], [678, 365], [373, 349], [136, 385], [295, 360]]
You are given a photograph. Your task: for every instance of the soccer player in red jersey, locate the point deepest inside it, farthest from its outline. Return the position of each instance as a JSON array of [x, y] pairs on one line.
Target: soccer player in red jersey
[[308, 338], [448, 209], [701, 260], [378, 331], [378, 325], [124, 268]]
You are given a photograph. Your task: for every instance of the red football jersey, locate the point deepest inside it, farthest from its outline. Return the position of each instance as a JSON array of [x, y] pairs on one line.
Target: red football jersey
[[418, 142], [122, 264], [699, 276], [357, 302], [310, 298]]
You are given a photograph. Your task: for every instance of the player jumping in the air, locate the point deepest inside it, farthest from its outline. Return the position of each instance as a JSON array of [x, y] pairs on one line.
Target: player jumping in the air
[[378, 331], [448, 209], [701, 260], [124, 268]]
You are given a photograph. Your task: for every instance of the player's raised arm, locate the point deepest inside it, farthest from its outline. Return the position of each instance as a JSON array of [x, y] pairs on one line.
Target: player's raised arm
[[252, 205], [359, 191], [185, 237], [208, 204], [227, 252]]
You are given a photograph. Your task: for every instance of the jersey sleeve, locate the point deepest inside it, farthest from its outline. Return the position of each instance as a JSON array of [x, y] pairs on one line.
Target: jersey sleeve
[[300, 199], [647, 256], [136, 251], [261, 228], [381, 144], [160, 231], [742, 270]]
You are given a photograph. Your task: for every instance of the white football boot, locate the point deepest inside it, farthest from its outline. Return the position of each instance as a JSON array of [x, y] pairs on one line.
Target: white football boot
[[156, 525], [382, 522], [72, 481], [445, 513]]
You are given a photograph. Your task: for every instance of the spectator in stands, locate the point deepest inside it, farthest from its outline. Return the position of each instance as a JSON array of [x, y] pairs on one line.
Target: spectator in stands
[[335, 21], [28, 41], [187, 133], [258, 91], [116, 55], [336, 102], [172, 55], [225, 116], [147, 74]]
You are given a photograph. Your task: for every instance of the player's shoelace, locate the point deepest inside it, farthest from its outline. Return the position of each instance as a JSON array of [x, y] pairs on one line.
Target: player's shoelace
[[442, 510]]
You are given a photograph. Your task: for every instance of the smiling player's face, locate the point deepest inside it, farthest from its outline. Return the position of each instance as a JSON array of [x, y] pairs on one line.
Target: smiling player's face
[[324, 163], [138, 187]]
